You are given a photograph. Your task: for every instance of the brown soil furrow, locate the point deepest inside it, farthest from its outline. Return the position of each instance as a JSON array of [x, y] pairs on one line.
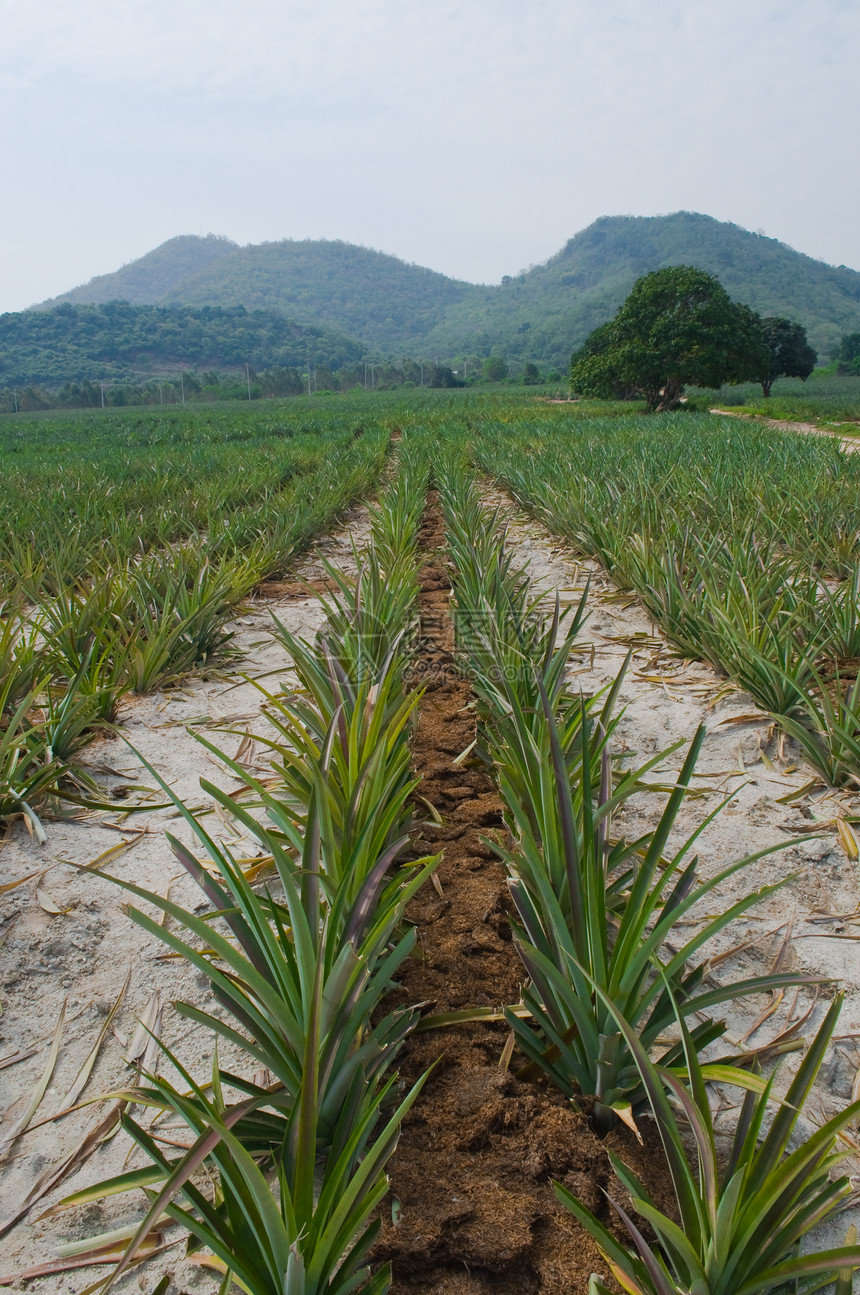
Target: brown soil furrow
[[471, 1206], [292, 590]]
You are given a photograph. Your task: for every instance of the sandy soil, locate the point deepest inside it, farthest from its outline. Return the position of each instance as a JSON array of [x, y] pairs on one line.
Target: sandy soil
[[66, 940], [811, 924]]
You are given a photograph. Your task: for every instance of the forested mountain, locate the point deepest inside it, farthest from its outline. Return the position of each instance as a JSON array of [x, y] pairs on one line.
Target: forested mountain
[[541, 314], [146, 281], [551, 308], [389, 303], [116, 341]]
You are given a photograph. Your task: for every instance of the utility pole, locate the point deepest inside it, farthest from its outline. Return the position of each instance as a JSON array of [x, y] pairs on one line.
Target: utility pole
[[248, 376], [309, 376], [161, 392], [102, 385], [15, 395], [422, 372], [182, 385], [365, 375]]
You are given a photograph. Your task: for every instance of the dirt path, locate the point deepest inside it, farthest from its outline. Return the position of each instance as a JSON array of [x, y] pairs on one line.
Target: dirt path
[[811, 925], [65, 938], [849, 443], [475, 1212]]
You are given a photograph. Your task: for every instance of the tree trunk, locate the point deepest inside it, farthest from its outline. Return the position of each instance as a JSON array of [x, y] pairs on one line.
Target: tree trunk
[[766, 386], [670, 395]]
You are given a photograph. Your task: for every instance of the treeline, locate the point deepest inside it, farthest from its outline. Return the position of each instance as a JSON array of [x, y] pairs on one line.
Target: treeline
[[120, 343], [190, 386], [848, 356]]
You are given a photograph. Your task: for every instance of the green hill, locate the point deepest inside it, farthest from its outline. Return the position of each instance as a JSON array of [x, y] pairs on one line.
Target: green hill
[[389, 303], [146, 281], [116, 341], [396, 308], [547, 311]]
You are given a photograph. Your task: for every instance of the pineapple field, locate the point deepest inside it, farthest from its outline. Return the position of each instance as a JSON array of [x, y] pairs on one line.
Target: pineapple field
[[431, 827]]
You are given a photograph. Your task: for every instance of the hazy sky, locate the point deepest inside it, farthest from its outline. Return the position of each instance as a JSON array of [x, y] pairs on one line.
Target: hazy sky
[[473, 136]]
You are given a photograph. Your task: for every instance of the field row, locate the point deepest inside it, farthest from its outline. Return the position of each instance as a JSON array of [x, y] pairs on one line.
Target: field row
[[741, 542], [620, 1008], [123, 565]]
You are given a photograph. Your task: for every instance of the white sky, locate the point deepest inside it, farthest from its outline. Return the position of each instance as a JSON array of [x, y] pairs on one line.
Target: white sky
[[473, 136]]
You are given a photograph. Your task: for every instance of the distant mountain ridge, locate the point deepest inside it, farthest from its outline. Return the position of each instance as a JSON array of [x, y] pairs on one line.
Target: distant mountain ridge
[[387, 302], [557, 304], [149, 279], [396, 308]]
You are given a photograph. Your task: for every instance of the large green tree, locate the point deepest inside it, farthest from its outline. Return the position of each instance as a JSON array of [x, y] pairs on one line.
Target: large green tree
[[495, 369], [789, 353], [848, 355], [678, 327]]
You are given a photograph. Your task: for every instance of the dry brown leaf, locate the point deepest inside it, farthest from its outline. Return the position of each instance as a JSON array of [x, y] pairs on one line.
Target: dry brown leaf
[[115, 851], [778, 960], [148, 1024], [10, 885], [39, 1091], [146, 1048], [772, 1006], [745, 944], [86, 1069], [258, 867], [68, 1265], [245, 749], [50, 905], [55, 1175], [12, 1058], [227, 820], [848, 838], [799, 791], [507, 1052], [624, 1111], [34, 827]]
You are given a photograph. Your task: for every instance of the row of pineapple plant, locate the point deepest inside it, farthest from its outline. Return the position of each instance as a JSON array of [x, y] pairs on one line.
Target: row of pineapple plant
[[742, 543], [74, 504], [91, 622], [300, 960], [599, 924]]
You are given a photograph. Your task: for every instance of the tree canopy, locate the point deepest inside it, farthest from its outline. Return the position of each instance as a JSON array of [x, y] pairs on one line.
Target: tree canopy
[[678, 327], [117, 341], [789, 353], [848, 355], [495, 369]]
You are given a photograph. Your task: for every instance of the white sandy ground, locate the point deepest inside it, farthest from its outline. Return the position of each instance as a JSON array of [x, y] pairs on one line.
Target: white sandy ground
[[811, 925], [83, 954]]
